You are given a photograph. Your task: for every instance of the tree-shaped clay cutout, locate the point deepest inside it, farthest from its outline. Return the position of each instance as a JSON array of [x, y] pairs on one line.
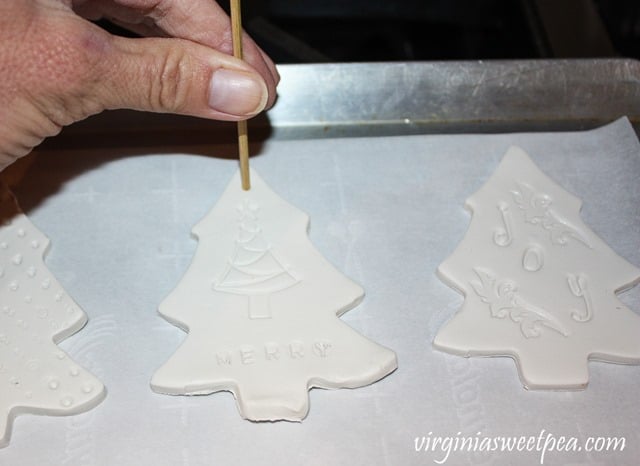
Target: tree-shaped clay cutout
[[539, 285], [36, 376], [261, 307]]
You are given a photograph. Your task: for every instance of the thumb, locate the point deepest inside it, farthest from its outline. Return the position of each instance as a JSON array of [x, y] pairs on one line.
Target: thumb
[[178, 76]]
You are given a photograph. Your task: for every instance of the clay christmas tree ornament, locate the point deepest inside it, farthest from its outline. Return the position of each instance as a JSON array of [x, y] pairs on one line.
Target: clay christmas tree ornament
[[539, 285], [261, 307], [36, 376]]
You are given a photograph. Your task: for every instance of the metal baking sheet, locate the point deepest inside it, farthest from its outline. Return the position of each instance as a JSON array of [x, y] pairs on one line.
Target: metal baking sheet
[[387, 99]]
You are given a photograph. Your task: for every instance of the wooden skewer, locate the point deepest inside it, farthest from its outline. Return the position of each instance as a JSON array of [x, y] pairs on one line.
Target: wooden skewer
[[243, 137]]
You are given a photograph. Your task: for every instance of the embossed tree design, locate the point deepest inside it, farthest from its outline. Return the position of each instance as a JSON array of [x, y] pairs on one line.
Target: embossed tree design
[[539, 285], [254, 270], [254, 244], [36, 376]]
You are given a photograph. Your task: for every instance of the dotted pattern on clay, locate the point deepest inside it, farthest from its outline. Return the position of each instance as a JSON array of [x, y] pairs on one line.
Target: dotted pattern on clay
[[35, 375], [291, 339], [538, 283]]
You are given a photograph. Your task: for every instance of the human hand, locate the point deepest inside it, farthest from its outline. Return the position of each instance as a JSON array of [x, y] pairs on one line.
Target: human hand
[[57, 68]]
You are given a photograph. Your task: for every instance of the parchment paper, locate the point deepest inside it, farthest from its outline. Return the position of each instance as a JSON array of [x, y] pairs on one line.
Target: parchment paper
[[386, 212]]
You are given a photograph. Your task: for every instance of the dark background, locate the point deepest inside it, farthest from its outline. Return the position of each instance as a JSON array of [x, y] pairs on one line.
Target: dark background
[[317, 31], [311, 31]]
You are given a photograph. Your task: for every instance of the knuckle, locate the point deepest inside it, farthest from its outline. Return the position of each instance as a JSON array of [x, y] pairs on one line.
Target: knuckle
[[59, 69], [71, 59], [75, 75], [170, 88]]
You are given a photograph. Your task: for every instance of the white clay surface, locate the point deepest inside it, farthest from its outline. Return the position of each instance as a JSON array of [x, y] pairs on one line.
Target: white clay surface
[[385, 212], [261, 305], [36, 376], [538, 283]]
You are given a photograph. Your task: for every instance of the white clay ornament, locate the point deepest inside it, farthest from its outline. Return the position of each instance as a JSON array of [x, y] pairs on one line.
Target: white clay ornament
[[36, 376], [539, 285], [261, 307]]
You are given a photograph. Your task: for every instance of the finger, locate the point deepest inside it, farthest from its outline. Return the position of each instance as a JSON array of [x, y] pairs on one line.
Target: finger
[[178, 76], [132, 20], [201, 21], [272, 66], [205, 22], [142, 29]]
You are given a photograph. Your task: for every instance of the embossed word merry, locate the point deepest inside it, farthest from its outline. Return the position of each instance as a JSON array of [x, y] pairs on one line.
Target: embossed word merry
[[272, 351]]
